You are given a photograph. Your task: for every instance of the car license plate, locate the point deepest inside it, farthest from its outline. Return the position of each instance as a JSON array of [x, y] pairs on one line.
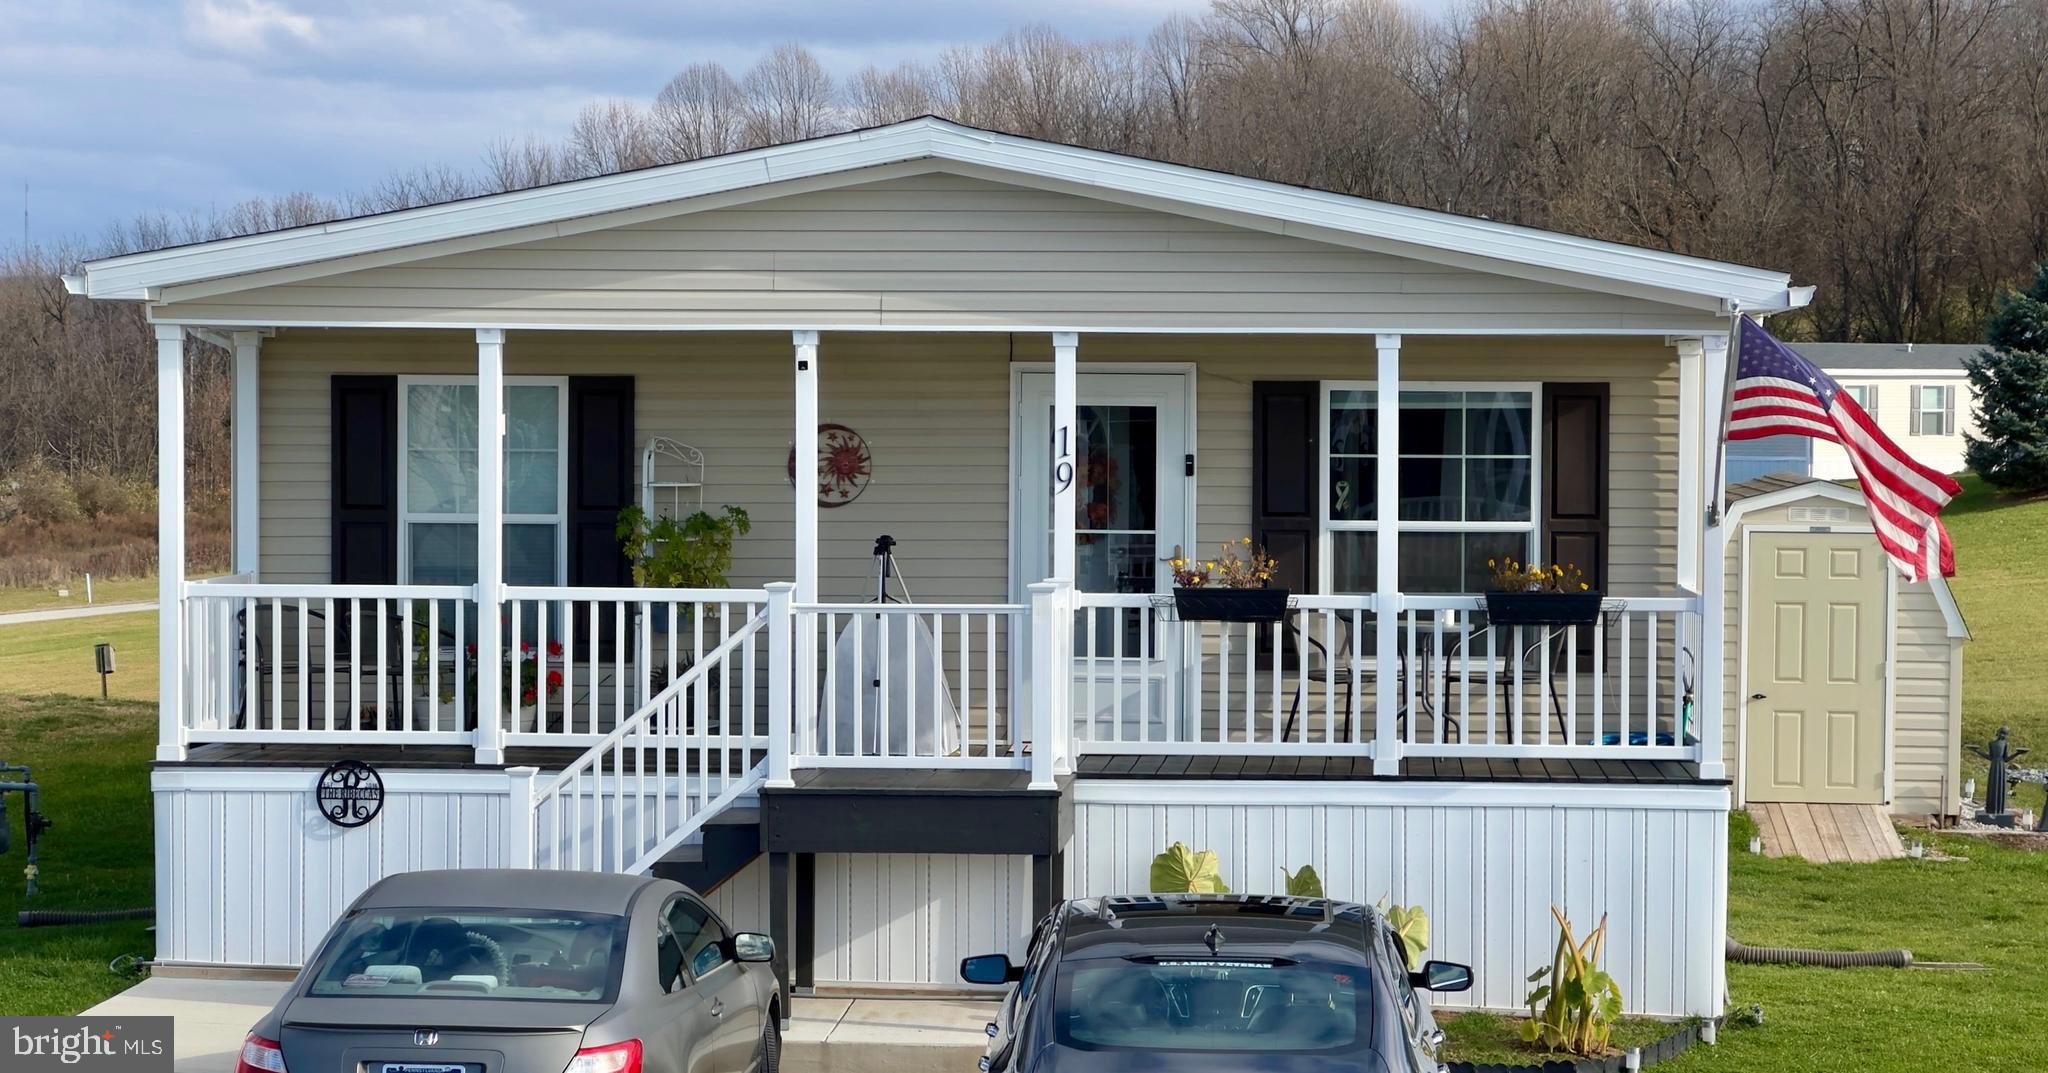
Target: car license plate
[[421, 1067]]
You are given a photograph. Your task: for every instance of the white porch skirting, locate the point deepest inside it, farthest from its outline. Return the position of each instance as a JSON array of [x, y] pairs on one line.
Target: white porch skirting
[[250, 875], [1487, 861]]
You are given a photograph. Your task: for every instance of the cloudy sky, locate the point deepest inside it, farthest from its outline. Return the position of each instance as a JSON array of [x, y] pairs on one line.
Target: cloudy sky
[[109, 108]]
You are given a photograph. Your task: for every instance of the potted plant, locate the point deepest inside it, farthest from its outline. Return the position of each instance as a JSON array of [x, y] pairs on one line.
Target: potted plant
[[692, 553], [532, 678], [1530, 594], [1231, 587]]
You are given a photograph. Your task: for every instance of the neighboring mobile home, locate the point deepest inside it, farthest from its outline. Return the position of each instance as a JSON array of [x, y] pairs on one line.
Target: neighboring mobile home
[[1918, 393], [1040, 369]]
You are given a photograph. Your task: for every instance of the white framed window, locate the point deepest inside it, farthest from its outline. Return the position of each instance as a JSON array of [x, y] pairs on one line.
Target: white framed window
[[1865, 396], [437, 479], [1934, 410], [1469, 483]]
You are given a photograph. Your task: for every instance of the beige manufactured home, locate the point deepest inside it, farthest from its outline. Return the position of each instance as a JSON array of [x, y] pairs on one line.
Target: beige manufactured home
[[1039, 369]]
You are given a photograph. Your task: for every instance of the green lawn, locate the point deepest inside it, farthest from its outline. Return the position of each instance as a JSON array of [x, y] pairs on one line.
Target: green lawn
[[92, 761], [2001, 584], [57, 656], [124, 590]]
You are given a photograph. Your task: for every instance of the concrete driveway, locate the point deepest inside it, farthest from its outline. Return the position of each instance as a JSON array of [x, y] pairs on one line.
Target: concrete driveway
[[843, 1035]]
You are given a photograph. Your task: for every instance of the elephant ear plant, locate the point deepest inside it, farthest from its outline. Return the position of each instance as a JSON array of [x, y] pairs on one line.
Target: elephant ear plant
[[1575, 1010], [1411, 926], [1181, 870]]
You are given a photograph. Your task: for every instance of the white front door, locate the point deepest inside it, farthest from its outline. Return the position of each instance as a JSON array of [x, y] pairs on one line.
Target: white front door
[[1133, 505]]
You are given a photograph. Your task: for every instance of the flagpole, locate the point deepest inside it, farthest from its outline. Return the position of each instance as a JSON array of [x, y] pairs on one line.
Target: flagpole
[[1731, 359]]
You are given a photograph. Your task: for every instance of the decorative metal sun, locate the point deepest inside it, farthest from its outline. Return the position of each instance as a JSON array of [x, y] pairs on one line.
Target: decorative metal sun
[[844, 465]]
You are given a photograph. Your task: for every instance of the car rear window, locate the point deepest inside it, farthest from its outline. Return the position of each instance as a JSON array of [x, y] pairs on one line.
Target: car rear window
[[1216, 1004], [555, 957]]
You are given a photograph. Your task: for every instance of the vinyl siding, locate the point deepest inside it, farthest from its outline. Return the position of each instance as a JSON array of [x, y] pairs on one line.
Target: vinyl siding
[[935, 411], [1894, 415], [1926, 755], [935, 250]]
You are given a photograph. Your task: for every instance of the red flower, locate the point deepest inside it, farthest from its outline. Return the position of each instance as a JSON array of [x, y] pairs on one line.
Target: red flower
[[555, 678], [554, 648], [526, 696]]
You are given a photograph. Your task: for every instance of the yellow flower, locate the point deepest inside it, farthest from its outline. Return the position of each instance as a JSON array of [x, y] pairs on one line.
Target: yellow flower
[[1583, 587], [1489, 562], [1246, 540]]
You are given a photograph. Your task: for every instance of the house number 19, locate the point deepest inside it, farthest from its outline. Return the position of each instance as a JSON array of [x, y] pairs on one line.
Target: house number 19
[[1062, 463]]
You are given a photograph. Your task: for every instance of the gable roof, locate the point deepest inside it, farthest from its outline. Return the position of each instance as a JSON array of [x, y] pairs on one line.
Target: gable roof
[[1945, 359], [934, 144]]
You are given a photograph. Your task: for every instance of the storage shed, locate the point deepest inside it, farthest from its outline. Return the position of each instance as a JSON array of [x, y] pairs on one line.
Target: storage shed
[[1848, 682]]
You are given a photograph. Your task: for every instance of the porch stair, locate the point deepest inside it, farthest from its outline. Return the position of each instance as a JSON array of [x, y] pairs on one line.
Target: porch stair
[[729, 842], [660, 781]]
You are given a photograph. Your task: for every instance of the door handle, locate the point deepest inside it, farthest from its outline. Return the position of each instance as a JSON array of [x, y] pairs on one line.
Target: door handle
[[717, 1007], [1756, 696]]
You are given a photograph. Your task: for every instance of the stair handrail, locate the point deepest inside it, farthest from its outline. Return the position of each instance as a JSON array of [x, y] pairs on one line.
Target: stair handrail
[[733, 786], [639, 718]]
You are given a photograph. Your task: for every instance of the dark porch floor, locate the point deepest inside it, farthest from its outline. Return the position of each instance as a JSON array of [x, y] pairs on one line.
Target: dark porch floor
[[953, 781], [1413, 768]]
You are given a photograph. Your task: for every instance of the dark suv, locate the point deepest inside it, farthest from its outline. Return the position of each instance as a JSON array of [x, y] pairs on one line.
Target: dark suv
[[1213, 982]]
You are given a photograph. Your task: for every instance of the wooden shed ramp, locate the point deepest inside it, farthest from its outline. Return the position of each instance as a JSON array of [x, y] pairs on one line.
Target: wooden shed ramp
[[1826, 834]]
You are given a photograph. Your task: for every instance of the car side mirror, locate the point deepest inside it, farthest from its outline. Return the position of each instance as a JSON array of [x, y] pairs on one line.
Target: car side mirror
[[752, 946], [1442, 976], [990, 969]]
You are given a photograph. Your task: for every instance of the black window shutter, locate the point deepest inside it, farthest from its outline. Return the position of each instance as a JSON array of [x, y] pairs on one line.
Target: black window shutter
[[1575, 497], [601, 480], [1284, 465], [363, 481]]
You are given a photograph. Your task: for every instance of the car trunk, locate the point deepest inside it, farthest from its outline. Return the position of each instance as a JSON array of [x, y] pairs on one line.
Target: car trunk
[[363, 1035]]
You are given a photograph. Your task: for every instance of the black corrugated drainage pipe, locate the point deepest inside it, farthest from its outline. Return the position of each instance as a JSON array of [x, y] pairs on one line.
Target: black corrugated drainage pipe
[[46, 918], [1833, 959]]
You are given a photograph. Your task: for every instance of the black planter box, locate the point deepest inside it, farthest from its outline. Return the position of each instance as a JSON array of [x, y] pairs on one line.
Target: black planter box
[[1542, 608], [1230, 605]]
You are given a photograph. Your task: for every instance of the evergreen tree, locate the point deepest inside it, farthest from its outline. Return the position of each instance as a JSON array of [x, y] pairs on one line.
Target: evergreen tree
[[2011, 382]]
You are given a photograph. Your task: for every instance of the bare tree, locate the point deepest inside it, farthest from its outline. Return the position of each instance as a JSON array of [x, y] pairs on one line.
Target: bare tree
[[789, 97], [609, 136], [700, 112]]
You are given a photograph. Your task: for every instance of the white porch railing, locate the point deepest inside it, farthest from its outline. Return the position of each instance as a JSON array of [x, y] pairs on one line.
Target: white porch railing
[[1622, 686], [589, 657], [1310, 684], [310, 663], [941, 685], [651, 782], [1146, 682], [908, 685]]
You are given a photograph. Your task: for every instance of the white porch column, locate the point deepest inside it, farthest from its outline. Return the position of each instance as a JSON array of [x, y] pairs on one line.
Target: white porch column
[[170, 541], [806, 491], [1065, 395], [781, 683], [1050, 721], [247, 478], [1691, 500], [1713, 588], [1386, 748], [490, 544]]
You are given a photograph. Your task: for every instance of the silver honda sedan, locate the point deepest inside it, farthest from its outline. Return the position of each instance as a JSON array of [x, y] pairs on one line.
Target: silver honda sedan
[[485, 971]]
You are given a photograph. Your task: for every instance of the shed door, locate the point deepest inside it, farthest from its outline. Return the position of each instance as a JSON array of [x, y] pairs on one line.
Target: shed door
[[1815, 655]]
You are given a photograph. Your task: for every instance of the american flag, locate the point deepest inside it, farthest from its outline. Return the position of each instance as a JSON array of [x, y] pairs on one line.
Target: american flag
[[1779, 393]]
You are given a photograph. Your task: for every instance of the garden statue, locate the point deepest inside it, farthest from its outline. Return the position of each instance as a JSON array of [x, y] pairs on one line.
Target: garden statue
[[1998, 753]]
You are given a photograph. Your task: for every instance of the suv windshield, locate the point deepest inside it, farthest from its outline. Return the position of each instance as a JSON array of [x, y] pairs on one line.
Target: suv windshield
[[460, 953], [1215, 1004]]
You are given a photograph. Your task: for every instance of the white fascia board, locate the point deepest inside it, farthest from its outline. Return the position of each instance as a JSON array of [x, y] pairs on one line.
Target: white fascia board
[[1289, 208]]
